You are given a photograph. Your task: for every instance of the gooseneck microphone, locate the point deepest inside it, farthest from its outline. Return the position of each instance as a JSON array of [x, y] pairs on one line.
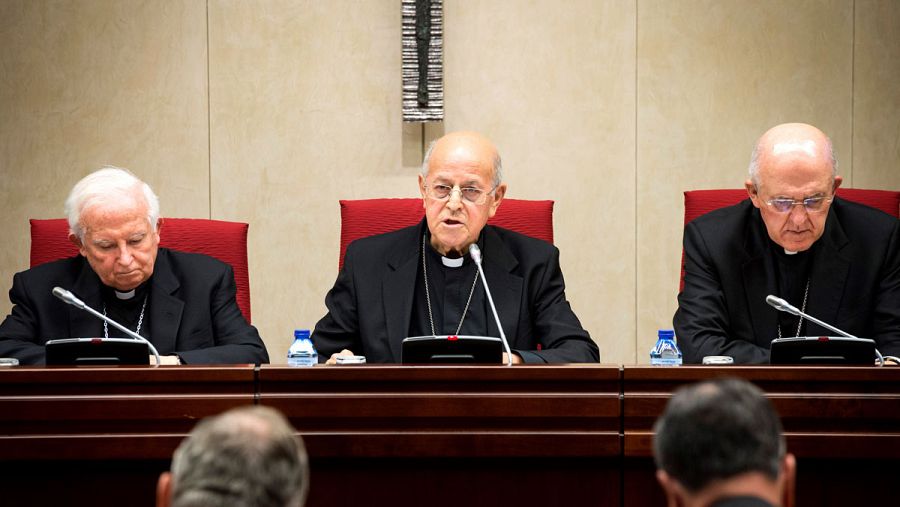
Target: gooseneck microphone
[[69, 298], [475, 252], [783, 306]]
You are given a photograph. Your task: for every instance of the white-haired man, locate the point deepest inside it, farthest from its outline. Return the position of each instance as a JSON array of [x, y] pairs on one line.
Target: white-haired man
[[183, 303]]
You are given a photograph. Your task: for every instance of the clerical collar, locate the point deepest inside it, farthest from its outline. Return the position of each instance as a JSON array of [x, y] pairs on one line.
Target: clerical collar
[[452, 263], [790, 256], [125, 295], [114, 295], [449, 262]]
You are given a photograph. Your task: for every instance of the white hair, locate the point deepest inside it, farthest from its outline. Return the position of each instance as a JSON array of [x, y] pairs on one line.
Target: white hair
[[497, 164], [753, 168], [108, 186]]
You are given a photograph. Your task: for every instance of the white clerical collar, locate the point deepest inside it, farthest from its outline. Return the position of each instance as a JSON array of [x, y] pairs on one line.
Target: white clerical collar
[[125, 295], [452, 263], [788, 252]]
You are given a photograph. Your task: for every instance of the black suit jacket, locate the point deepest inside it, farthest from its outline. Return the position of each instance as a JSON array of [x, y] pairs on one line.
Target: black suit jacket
[[193, 310], [370, 305], [729, 271]]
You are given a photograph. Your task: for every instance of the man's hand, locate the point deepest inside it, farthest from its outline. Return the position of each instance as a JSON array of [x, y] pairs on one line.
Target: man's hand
[[167, 360], [515, 359], [333, 358]]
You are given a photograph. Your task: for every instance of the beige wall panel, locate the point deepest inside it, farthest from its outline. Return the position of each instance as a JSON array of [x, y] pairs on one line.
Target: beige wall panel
[[305, 110], [876, 95], [712, 77], [88, 83], [611, 108], [552, 83]]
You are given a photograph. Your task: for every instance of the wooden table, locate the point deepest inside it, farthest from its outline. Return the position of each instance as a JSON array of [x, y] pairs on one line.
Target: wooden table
[[430, 435], [99, 435], [842, 424], [377, 435]]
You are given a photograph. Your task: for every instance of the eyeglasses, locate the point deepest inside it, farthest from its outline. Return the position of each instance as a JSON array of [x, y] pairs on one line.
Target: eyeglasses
[[812, 204], [473, 195]]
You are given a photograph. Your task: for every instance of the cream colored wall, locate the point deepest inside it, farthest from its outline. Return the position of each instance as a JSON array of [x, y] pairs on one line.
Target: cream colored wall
[[90, 83], [563, 117], [270, 111], [711, 79], [876, 95]]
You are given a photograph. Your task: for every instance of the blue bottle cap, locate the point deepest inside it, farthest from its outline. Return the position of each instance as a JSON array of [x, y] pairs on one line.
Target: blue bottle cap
[[302, 334], [666, 334]]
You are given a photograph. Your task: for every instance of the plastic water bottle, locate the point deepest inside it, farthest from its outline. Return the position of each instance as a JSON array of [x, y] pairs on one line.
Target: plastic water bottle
[[302, 351], [666, 351]]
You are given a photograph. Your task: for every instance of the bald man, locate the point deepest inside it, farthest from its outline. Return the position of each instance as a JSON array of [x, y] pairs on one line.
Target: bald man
[[420, 281], [836, 260]]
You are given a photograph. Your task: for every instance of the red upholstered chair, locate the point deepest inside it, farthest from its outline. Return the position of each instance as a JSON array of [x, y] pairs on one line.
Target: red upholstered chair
[[368, 217], [226, 241], [700, 202]]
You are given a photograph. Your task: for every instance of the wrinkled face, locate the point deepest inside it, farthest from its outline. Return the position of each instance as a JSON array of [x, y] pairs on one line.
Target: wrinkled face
[[119, 244], [794, 171], [455, 223]]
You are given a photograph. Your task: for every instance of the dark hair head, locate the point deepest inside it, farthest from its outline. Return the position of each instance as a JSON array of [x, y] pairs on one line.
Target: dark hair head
[[717, 430]]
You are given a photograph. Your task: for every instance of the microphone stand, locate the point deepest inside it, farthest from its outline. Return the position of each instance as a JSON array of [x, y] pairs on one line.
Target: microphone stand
[[475, 252], [69, 298], [783, 306]]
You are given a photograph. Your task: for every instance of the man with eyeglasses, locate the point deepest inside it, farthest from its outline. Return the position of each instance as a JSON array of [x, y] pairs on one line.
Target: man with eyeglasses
[[836, 260], [420, 280]]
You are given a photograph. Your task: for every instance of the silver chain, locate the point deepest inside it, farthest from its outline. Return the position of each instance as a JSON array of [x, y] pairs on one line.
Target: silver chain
[[428, 297], [140, 318], [802, 310]]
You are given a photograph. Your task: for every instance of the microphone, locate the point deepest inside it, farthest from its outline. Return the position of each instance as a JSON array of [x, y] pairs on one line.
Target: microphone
[[69, 298], [475, 252], [783, 306]]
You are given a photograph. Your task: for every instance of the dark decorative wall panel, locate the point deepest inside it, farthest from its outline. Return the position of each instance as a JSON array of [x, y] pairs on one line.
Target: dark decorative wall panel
[[423, 60]]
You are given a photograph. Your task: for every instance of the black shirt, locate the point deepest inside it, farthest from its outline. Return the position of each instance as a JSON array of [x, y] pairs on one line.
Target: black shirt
[[449, 288], [127, 311], [792, 274]]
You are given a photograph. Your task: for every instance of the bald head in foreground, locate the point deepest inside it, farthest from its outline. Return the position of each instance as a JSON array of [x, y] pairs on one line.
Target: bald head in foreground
[[245, 457], [420, 281], [720, 444], [834, 259]]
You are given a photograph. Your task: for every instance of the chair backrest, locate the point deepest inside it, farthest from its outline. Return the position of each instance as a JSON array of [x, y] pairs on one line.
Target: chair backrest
[[700, 202], [226, 241], [368, 217]]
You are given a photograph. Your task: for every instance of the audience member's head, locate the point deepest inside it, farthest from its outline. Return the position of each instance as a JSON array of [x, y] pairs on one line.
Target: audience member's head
[[246, 457], [721, 439]]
